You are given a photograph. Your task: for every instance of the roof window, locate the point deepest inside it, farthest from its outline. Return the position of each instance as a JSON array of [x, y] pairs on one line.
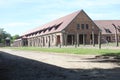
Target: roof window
[[107, 31], [50, 28], [56, 26], [44, 30]]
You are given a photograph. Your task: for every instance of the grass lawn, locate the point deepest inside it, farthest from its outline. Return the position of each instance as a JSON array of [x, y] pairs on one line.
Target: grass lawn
[[70, 50]]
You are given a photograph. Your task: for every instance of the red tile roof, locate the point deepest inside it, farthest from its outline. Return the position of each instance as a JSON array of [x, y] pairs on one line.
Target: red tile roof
[[54, 26], [106, 25]]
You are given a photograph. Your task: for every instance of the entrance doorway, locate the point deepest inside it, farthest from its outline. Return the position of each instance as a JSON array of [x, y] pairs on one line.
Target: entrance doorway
[[58, 40], [82, 38], [70, 39]]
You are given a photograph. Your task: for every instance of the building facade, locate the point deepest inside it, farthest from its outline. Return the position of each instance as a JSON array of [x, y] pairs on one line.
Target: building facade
[[74, 29], [110, 33]]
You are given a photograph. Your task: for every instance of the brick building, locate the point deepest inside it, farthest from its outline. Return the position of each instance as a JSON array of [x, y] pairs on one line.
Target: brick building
[[74, 29], [108, 30]]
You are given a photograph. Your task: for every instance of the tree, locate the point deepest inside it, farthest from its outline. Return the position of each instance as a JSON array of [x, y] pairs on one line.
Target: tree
[[3, 35], [15, 36]]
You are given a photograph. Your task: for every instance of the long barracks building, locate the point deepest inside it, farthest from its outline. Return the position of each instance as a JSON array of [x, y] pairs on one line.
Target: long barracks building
[[74, 29]]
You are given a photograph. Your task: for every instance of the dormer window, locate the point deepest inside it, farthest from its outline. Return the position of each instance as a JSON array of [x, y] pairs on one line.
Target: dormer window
[[40, 31], [50, 28], [107, 31], [56, 26], [44, 30]]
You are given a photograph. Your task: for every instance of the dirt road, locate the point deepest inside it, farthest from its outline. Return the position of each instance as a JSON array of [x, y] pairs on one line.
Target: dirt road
[[26, 65]]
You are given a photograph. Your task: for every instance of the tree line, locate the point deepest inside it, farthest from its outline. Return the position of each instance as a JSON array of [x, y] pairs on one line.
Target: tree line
[[6, 36]]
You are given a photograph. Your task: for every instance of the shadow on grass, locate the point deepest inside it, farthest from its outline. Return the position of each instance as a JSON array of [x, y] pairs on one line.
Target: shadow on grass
[[106, 58], [113, 55], [109, 57], [18, 68]]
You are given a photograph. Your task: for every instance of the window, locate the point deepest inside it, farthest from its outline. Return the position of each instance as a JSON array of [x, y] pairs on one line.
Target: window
[[56, 26], [78, 26], [119, 30], [82, 26], [44, 30], [40, 31], [107, 31], [108, 38], [87, 26], [50, 28]]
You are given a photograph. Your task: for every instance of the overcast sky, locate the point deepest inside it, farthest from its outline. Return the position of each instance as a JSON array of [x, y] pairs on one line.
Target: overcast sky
[[19, 16]]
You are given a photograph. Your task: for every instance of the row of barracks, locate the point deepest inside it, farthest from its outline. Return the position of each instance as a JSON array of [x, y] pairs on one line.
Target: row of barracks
[[74, 29]]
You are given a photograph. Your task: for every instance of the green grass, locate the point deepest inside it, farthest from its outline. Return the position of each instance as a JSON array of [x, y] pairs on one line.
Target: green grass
[[70, 50]]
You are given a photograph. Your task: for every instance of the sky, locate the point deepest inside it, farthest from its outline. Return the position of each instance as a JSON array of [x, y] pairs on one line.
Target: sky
[[19, 16]]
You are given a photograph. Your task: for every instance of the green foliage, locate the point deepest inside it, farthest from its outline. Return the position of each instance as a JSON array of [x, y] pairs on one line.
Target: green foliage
[[15, 37], [3, 35]]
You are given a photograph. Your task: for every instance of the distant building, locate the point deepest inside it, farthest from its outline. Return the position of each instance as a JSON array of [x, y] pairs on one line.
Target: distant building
[[7, 41], [74, 29], [108, 30]]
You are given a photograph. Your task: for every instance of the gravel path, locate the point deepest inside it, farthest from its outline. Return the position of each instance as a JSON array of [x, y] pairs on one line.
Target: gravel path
[[26, 65]]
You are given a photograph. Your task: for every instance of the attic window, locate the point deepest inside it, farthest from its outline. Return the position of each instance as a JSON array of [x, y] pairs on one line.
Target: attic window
[[44, 30], [40, 32], [107, 31], [58, 25], [35, 33], [50, 28], [119, 30]]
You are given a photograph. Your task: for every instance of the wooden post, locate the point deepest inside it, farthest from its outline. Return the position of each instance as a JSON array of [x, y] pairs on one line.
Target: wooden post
[[84, 39], [66, 40], [116, 35], [62, 39], [77, 39], [99, 39], [72, 40], [49, 41], [93, 37]]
